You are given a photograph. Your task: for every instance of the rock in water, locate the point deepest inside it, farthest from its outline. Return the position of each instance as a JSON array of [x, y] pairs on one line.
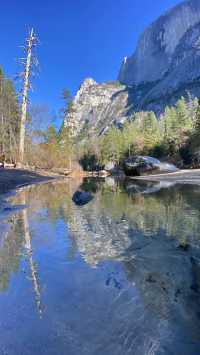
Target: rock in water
[[81, 198], [143, 165]]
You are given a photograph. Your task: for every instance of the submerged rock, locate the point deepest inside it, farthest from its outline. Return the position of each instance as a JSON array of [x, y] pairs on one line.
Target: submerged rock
[[81, 198], [144, 165]]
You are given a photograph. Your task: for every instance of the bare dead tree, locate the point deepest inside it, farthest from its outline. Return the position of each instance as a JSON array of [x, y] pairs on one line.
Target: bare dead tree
[[29, 62]]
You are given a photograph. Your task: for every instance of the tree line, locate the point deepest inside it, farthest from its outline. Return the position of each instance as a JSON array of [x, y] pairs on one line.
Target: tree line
[[175, 136], [45, 147], [9, 118]]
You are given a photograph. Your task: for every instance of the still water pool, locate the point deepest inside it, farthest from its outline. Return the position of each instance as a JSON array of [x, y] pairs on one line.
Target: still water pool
[[118, 276]]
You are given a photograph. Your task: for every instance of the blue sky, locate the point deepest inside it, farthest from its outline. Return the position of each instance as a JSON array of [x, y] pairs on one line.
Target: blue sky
[[79, 38]]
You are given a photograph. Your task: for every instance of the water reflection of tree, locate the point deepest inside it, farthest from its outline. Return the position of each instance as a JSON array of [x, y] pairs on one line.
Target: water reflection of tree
[[144, 233], [10, 251], [140, 231], [175, 211], [28, 246], [56, 200], [172, 211], [16, 236]]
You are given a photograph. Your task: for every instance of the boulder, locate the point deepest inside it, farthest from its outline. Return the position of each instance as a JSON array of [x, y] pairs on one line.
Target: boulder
[[144, 165], [81, 198]]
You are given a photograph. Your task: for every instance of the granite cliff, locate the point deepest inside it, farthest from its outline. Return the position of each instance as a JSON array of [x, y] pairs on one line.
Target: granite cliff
[[164, 67], [97, 106], [157, 45]]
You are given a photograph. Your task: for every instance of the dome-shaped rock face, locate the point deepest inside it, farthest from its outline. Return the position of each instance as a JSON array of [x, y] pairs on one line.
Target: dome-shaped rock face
[[165, 67], [158, 43], [96, 107]]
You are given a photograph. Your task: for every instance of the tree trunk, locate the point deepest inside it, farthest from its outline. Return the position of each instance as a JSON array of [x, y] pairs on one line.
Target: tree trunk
[[25, 97]]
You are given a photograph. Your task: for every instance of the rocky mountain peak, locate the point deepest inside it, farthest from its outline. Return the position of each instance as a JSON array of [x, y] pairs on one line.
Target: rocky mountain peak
[[96, 107], [164, 67], [85, 86], [88, 82], [158, 43]]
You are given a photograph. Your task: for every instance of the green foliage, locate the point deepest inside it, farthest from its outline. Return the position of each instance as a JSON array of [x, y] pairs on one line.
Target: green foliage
[[111, 145], [139, 135], [150, 131], [47, 147], [9, 118], [90, 162], [191, 152], [183, 118], [176, 134], [130, 136], [177, 123], [197, 119], [145, 134], [68, 102], [51, 134]]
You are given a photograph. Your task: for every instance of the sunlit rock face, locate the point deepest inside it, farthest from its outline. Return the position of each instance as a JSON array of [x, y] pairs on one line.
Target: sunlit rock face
[[158, 44], [183, 74], [96, 107], [166, 63], [164, 67]]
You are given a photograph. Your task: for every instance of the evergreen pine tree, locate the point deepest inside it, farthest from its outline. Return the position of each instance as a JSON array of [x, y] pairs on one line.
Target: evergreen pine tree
[[197, 119]]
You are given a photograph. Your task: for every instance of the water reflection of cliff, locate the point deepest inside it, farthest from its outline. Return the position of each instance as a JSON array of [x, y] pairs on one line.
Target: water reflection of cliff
[[114, 220], [106, 227], [154, 236]]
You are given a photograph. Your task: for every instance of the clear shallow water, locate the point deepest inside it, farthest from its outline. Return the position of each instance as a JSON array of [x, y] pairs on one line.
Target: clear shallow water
[[120, 275]]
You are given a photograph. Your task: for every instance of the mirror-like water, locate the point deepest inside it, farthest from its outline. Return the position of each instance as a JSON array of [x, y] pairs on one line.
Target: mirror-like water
[[118, 276]]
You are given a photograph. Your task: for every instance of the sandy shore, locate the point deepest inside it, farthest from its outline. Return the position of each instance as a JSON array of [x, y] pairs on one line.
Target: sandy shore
[[189, 176], [11, 179]]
